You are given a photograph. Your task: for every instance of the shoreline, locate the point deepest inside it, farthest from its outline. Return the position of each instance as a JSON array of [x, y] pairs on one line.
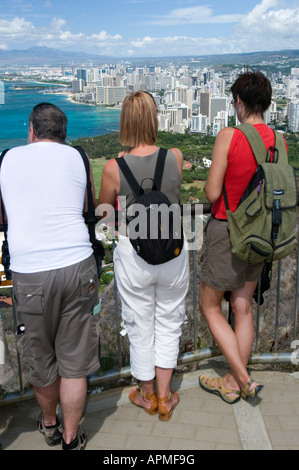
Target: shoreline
[[98, 120], [58, 91]]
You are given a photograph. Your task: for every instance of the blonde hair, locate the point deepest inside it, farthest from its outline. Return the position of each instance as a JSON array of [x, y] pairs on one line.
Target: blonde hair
[[138, 121]]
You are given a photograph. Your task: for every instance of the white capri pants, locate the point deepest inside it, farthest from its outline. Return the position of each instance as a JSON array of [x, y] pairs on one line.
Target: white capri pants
[[153, 307]]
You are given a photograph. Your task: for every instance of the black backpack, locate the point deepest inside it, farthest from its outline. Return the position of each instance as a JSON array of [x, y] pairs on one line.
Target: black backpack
[[156, 232]]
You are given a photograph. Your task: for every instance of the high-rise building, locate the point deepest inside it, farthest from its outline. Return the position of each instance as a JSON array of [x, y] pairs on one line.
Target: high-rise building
[[294, 116], [184, 95], [205, 104], [217, 104], [77, 86], [199, 124], [219, 122], [81, 74], [108, 96]]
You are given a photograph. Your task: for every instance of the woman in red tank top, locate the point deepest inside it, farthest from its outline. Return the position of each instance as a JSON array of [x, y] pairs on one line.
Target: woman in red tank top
[[233, 163]]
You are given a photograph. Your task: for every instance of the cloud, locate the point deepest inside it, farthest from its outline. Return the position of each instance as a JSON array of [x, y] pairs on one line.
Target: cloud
[[57, 23], [194, 15], [267, 27], [104, 36], [175, 45], [56, 35], [17, 28]]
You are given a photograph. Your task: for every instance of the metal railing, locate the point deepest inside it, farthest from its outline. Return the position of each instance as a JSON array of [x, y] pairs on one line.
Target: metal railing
[[276, 319]]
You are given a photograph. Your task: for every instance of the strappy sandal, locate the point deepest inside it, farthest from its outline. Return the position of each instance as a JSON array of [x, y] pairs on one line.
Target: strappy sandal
[[147, 396], [246, 393], [218, 388], [164, 413]]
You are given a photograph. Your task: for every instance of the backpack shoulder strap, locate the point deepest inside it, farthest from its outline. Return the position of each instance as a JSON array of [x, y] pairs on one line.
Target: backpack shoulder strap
[[257, 146], [256, 142], [137, 190], [160, 168], [281, 148]]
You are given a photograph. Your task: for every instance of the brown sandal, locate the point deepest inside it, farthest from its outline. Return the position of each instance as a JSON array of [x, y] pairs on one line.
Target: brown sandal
[[247, 393], [147, 396], [216, 385], [164, 413]]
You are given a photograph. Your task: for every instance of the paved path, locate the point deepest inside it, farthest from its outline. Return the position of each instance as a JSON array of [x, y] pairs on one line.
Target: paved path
[[201, 421]]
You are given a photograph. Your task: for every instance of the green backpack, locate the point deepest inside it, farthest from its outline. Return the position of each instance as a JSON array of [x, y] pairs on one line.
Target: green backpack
[[262, 226]]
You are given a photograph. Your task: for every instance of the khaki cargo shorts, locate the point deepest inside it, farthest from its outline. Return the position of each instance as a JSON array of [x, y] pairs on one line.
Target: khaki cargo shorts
[[56, 308], [219, 267]]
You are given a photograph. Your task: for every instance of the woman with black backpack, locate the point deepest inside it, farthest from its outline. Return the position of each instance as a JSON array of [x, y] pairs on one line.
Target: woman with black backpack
[[152, 295]]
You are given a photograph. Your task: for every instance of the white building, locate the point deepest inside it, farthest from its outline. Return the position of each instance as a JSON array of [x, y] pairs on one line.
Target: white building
[[184, 95], [199, 124], [220, 122], [294, 116], [78, 85], [217, 104], [107, 96]]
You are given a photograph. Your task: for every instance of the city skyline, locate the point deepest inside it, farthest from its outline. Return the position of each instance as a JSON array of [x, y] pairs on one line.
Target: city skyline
[[151, 28]]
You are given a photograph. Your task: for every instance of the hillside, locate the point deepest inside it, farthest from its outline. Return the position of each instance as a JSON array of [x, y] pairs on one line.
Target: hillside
[[194, 148], [271, 60]]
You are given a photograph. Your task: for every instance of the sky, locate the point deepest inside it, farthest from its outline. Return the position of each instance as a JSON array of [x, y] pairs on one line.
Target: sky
[[150, 28]]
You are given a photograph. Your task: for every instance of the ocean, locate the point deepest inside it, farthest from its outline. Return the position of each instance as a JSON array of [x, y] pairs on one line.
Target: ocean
[[19, 99]]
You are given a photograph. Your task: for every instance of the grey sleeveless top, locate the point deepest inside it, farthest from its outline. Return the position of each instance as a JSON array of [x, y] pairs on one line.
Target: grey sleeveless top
[[144, 167]]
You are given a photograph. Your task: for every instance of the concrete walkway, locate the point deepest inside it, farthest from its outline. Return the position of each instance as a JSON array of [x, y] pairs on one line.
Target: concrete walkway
[[201, 421]]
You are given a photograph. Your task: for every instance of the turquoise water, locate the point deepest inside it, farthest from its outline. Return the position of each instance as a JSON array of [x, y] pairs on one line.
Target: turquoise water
[[83, 120]]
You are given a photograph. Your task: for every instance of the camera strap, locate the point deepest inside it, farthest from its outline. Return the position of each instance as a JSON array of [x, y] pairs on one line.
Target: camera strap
[[4, 224], [91, 218]]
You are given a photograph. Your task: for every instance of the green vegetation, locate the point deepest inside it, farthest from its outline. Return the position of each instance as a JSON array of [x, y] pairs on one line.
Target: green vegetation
[[194, 149], [293, 150], [97, 169], [106, 145], [193, 146]]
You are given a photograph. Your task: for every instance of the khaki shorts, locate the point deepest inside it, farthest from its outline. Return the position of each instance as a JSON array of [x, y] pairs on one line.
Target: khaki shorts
[[219, 267], [60, 331]]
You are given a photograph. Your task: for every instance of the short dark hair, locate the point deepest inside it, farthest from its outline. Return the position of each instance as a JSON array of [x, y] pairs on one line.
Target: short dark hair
[[255, 90], [48, 122]]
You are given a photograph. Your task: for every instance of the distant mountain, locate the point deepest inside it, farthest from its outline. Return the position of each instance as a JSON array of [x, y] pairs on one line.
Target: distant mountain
[[46, 56], [266, 58]]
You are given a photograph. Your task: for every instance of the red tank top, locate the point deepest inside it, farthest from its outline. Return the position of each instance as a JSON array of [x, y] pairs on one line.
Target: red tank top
[[240, 169]]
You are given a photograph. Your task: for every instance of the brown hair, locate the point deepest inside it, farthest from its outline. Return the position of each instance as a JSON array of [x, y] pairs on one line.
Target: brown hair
[[138, 121], [255, 90], [48, 122]]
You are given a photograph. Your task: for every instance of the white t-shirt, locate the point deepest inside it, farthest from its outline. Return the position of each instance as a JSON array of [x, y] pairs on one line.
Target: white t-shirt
[[43, 188]]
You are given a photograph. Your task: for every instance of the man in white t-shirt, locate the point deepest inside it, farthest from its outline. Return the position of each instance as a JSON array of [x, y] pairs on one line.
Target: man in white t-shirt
[[55, 280]]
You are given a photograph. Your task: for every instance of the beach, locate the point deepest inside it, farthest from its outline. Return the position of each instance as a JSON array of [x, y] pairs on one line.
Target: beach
[[84, 120]]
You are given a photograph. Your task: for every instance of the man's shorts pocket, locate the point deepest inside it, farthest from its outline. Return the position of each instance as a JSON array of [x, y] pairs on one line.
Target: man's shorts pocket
[[30, 298], [88, 286]]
